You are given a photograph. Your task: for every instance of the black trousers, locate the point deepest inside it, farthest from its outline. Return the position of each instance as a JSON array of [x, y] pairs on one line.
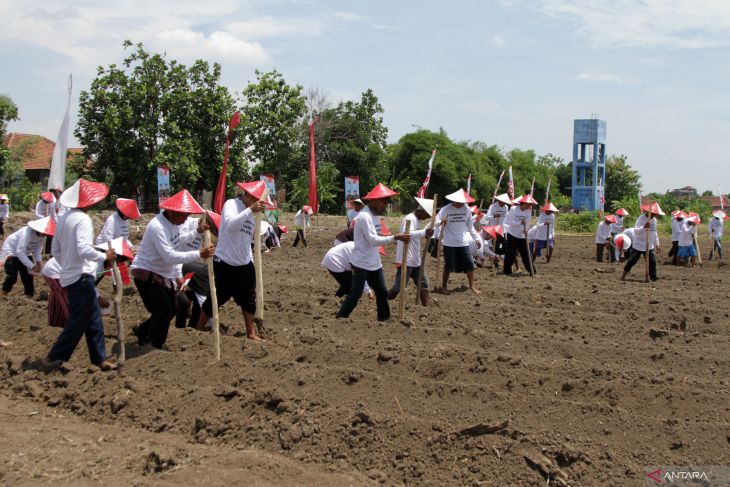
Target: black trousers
[[599, 251], [2, 228], [515, 245], [376, 281], [344, 279], [635, 255], [612, 250], [13, 267], [160, 303], [183, 305], [500, 245], [233, 281], [673, 252], [300, 235]]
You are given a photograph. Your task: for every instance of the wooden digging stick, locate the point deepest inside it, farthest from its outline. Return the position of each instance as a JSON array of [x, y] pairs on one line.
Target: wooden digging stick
[[646, 255], [438, 254], [404, 274], [117, 286], [529, 254], [257, 261], [712, 246], [424, 251], [213, 300], [697, 246]]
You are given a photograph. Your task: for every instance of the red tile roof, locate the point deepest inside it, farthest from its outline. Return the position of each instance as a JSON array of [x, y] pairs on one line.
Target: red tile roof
[[37, 151]]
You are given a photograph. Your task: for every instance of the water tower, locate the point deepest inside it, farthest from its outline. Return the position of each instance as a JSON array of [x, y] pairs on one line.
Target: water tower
[[589, 163]]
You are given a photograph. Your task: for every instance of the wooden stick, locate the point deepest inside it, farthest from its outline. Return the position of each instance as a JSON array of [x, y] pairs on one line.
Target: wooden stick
[[424, 251], [712, 243], [646, 255], [697, 246], [404, 274], [214, 300], [257, 264], [438, 255], [529, 254], [548, 250], [117, 286]]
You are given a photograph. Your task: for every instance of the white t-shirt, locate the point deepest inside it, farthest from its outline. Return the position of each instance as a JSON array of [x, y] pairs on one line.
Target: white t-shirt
[[414, 246], [458, 224], [686, 234], [52, 269], [638, 242], [160, 249], [235, 235], [603, 232], [22, 243], [73, 247], [365, 253], [497, 213], [302, 220], [4, 211], [676, 229], [114, 227], [716, 227], [617, 227], [338, 259], [543, 221], [518, 221]]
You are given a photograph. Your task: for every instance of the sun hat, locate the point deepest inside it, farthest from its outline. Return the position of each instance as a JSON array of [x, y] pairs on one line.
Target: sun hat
[[182, 202], [83, 194], [45, 225], [127, 207]]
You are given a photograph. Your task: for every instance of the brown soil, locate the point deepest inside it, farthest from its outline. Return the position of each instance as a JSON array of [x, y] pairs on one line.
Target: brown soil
[[599, 380]]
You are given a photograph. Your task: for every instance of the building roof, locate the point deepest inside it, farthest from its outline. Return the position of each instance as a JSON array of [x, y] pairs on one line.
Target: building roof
[[37, 151], [714, 201]]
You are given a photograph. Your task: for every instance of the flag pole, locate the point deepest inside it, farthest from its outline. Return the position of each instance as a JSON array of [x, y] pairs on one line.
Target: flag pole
[[117, 287], [422, 269], [404, 274], [213, 297]]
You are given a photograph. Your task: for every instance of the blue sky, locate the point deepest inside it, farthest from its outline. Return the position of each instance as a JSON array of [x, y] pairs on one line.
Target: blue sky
[[513, 73]]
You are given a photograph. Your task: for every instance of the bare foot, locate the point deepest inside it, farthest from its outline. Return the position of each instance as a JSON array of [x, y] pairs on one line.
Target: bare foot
[[476, 291], [444, 291], [107, 365], [255, 338], [371, 295], [4, 344]]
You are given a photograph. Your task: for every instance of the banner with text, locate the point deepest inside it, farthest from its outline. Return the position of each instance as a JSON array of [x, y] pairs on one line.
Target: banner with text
[[163, 184], [352, 190], [272, 213]]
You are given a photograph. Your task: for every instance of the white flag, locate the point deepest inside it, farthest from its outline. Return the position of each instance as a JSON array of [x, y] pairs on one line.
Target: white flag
[[57, 178]]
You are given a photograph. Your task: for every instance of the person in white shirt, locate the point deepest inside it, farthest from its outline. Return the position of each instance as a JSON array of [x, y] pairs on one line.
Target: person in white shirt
[[644, 240], [518, 222], [28, 241], [454, 222], [357, 205], [677, 219], [302, 221], [77, 259], [366, 264], [496, 215], [156, 267], [235, 274], [117, 224], [413, 256], [337, 261], [44, 205], [545, 233], [603, 237], [686, 244], [716, 227], [4, 214], [616, 229]]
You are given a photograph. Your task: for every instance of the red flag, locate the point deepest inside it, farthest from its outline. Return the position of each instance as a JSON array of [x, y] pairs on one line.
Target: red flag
[[384, 232], [312, 171], [424, 187], [220, 189]]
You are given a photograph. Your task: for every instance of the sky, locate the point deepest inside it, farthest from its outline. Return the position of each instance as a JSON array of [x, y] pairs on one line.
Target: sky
[[514, 73]]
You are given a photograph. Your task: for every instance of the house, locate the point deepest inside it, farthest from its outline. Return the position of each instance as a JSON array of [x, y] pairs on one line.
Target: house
[[686, 193], [35, 153], [715, 202]]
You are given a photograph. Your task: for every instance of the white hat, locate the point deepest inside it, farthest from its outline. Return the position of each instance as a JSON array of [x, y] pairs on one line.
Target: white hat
[[456, 197], [719, 214], [504, 198], [358, 201], [622, 241], [426, 204]]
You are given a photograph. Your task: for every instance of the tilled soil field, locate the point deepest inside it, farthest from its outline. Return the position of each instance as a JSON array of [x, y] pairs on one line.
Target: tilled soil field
[[570, 378]]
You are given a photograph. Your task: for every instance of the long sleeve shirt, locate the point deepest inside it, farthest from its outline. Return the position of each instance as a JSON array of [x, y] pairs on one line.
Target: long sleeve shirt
[[518, 221], [687, 234], [302, 220], [365, 253], [4, 211], [639, 241], [114, 227], [603, 232], [42, 209], [73, 247], [236, 233], [497, 213], [160, 250], [339, 259], [617, 227], [676, 229], [414, 246], [458, 224], [191, 225], [543, 222], [51, 269], [716, 227], [22, 243]]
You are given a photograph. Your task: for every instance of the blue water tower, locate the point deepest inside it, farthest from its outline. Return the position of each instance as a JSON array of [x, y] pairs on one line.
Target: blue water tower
[[589, 163]]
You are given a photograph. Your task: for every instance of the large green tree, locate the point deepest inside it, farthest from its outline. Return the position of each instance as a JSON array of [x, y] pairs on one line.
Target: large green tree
[[152, 111], [8, 113], [271, 114], [622, 181]]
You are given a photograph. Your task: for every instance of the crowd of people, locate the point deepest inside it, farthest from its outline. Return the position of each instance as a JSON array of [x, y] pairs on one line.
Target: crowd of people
[[172, 280]]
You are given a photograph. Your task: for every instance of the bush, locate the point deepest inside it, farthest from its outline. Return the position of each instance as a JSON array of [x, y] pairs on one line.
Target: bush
[[24, 194], [583, 222]]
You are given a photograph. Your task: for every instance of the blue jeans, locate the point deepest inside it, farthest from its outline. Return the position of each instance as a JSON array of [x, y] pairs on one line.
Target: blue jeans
[[717, 246], [376, 281], [84, 319]]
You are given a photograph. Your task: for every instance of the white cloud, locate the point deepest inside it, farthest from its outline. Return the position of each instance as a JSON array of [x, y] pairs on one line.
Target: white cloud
[[219, 45], [497, 41], [266, 27], [687, 24], [603, 77]]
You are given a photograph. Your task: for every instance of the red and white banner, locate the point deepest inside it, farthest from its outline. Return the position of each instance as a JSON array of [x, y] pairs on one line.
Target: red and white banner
[[313, 202], [220, 189], [511, 185], [547, 192], [494, 195], [352, 190], [424, 187]]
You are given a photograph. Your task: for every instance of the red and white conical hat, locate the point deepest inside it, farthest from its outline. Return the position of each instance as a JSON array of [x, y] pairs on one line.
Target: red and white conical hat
[[182, 202], [379, 192], [550, 207], [83, 194], [119, 245], [622, 212], [215, 218], [622, 241], [528, 199], [257, 189], [47, 196], [504, 198], [494, 230], [45, 225], [307, 209], [426, 204], [694, 219], [653, 208], [610, 218], [458, 196], [720, 214], [468, 197], [128, 208]]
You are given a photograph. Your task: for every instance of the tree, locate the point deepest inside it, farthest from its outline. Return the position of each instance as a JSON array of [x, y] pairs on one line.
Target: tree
[[621, 180], [271, 114], [708, 193], [8, 113], [155, 112]]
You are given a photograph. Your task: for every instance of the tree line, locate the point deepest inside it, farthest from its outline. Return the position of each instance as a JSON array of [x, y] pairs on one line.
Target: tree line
[[152, 111]]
